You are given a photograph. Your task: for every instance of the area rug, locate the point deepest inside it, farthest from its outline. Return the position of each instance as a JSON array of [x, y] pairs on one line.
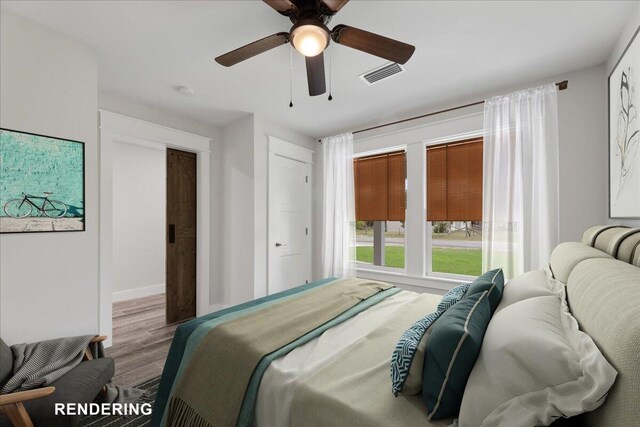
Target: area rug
[[151, 388]]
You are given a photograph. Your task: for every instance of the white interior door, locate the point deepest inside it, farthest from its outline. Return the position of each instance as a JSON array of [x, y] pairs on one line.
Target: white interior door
[[289, 223]]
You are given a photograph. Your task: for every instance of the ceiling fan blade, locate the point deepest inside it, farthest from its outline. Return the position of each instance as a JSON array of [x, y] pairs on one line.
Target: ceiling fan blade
[[374, 44], [315, 74], [281, 6], [252, 49], [335, 5]]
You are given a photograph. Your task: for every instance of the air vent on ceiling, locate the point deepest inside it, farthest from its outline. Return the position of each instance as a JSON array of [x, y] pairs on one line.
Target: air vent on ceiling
[[381, 73]]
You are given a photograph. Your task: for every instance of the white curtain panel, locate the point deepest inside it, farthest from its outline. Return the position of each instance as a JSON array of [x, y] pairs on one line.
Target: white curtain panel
[[520, 206], [339, 211]]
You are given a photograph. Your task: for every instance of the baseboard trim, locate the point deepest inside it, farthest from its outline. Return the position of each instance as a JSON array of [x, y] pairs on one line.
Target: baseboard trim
[[138, 293], [216, 307]]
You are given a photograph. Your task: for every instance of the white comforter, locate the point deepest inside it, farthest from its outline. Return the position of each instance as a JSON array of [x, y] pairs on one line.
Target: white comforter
[[342, 377]]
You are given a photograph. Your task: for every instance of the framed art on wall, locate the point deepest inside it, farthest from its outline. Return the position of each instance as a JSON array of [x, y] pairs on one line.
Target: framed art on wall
[[41, 183], [624, 133]]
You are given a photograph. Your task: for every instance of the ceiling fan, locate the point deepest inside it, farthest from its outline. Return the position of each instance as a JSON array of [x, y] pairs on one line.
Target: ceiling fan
[[310, 36]]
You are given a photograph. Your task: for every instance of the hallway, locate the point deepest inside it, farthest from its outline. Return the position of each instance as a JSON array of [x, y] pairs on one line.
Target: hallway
[[141, 339]]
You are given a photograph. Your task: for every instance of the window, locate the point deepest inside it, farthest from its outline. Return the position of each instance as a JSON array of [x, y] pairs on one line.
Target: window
[[380, 193], [454, 207], [448, 220]]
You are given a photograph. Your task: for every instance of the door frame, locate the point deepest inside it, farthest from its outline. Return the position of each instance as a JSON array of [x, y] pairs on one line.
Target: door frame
[[281, 148], [116, 127]]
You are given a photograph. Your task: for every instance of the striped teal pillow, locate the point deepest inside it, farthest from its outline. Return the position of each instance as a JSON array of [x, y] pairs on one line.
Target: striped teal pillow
[[451, 352], [407, 347], [492, 282]]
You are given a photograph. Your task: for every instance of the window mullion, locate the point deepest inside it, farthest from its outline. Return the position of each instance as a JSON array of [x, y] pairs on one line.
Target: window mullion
[[378, 243], [428, 252], [415, 259]]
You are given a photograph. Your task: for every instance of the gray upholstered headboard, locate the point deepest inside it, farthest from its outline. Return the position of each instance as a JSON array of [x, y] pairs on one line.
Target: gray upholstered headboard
[[602, 276]]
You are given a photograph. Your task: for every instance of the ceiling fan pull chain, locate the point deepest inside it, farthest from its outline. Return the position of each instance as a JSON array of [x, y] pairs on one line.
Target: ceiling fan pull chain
[[291, 77], [330, 71]]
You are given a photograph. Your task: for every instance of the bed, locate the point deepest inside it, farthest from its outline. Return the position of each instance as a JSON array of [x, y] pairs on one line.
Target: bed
[[333, 340]]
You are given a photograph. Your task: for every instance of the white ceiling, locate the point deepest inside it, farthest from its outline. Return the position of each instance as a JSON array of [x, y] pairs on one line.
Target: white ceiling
[[463, 49]]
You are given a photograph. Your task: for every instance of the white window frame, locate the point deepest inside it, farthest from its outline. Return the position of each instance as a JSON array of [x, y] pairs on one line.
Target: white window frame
[[362, 266], [428, 226], [418, 274]]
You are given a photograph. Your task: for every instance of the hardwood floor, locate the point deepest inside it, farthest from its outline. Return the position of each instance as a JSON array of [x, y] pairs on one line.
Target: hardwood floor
[[141, 339]]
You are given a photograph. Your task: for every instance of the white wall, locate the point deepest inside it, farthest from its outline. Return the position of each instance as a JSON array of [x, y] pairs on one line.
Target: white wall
[[139, 218], [118, 104], [237, 234], [625, 37], [49, 281], [216, 164], [582, 114], [627, 33]]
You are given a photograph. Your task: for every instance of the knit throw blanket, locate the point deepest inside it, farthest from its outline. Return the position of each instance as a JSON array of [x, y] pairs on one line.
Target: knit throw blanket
[[39, 364]]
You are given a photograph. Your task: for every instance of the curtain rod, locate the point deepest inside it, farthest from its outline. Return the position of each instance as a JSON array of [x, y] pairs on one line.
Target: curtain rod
[[561, 86]]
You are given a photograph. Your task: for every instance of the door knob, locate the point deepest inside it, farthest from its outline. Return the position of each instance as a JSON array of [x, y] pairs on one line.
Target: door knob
[[278, 244]]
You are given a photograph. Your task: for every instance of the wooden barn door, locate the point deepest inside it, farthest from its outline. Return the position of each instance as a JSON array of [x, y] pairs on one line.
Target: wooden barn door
[[181, 235]]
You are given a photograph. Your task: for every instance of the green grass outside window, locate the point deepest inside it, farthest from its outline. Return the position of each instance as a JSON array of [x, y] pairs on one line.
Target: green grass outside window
[[444, 260]]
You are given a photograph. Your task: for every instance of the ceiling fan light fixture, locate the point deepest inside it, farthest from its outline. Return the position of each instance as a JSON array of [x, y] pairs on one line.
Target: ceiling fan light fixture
[[310, 38]]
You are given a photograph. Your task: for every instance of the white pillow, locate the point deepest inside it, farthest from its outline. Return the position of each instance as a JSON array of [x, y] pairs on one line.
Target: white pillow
[[534, 366], [534, 283]]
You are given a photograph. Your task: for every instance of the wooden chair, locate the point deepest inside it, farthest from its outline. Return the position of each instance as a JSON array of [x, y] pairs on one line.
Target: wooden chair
[[12, 406], [87, 352]]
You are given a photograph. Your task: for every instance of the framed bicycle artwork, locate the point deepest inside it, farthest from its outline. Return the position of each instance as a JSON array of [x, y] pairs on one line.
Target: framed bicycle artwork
[[41, 183], [624, 133]]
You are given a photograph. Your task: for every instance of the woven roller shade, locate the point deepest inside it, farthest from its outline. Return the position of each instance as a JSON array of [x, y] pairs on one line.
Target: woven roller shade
[[396, 192], [437, 183], [380, 187], [454, 181]]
